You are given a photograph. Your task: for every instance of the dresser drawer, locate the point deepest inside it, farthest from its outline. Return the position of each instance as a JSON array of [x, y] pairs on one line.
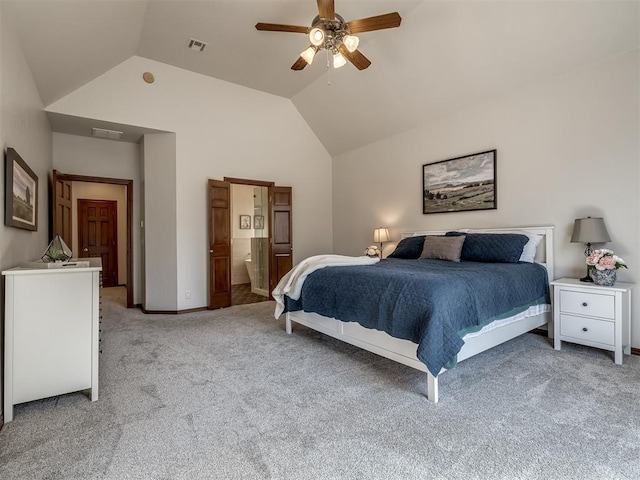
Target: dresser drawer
[[591, 304], [588, 329]]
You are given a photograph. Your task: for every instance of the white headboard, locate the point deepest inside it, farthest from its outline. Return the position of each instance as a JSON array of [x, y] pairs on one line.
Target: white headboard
[[544, 254]]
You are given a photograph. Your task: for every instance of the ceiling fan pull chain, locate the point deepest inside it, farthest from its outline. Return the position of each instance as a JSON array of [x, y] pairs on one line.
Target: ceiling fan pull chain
[[328, 69]]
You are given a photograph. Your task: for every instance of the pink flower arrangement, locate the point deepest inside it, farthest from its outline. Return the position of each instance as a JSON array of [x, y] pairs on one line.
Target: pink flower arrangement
[[604, 259]]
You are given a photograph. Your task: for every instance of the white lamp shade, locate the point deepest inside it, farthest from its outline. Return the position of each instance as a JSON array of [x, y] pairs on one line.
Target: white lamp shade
[[590, 230], [308, 54], [316, 35], [351, 42], [338, 60], [381, 235]]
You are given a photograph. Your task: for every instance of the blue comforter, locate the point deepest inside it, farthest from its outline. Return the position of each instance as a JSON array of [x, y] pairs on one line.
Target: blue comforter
[[433, 303]]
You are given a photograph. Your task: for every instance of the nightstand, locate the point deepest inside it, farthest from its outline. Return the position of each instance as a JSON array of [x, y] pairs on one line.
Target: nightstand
[[592, 315]]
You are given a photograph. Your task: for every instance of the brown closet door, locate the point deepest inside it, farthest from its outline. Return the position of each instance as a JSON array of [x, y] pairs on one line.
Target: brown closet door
[[281, 235], [98, 236], [219, 244]]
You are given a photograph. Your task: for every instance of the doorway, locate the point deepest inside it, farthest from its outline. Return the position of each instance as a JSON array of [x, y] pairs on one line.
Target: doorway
[[249, 244], [233, 233], [63, 219]]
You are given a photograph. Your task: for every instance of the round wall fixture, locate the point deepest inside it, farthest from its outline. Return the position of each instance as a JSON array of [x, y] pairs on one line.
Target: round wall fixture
[[148, 77]]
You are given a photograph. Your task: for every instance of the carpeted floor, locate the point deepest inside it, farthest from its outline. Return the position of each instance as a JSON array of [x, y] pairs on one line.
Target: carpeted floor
[[228, 395]]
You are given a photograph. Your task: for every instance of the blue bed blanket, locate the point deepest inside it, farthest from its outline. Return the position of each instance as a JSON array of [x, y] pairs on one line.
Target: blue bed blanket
[[433, 303]]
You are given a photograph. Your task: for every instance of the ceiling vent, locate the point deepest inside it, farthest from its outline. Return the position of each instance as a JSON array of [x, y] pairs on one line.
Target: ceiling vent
[[108, 134], [197, 45]]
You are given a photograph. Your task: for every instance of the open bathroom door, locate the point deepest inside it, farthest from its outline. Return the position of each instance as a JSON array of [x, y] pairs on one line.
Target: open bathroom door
[[281, 235], [219, 244]]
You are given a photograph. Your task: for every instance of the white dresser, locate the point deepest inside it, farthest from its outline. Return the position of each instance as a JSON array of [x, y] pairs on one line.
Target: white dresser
[[592, 315], [51, 332]]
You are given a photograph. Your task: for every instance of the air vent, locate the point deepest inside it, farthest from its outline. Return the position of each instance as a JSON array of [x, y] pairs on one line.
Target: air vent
[[108, 134], [197, 45]]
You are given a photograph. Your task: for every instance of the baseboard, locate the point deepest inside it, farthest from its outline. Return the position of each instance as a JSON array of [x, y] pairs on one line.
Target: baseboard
[[171, 312]]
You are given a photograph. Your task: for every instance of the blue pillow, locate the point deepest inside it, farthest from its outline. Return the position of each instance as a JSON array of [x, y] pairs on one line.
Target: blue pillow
[[491, 247], [409, 248]]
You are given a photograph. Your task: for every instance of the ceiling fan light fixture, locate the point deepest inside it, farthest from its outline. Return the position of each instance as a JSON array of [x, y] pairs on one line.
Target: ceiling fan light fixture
[[351, 42], [316, 35], [338, 60], [308, 54]]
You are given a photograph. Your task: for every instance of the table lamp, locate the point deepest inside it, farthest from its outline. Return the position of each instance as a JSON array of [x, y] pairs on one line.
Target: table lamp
[[589, 230], [381, 235]]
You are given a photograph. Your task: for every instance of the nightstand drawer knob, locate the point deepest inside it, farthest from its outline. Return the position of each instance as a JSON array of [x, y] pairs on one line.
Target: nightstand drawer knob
[[585, 329], [584, 304]]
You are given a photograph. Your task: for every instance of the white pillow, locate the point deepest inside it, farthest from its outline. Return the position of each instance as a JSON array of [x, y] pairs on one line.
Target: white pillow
[[529, 250]]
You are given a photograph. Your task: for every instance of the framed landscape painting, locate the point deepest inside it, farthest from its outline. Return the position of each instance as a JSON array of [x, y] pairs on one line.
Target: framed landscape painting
[[460, 184], [21, 193]]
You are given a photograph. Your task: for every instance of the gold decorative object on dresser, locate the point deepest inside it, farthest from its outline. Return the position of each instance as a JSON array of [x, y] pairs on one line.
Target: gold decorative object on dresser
[[592, 315], [51, 331]]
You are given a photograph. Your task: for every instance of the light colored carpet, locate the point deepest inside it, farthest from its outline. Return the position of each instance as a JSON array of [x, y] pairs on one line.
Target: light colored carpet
[[228, 395]]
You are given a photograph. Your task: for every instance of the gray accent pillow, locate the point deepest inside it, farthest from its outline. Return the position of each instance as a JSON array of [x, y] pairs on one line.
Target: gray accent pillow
[[442, 248]]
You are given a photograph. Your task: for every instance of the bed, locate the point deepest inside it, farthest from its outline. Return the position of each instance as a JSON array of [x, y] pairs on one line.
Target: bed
[[409, 348]]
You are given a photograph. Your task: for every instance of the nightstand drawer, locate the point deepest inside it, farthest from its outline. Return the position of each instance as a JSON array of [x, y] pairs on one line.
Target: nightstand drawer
[[591, 304], [588, 329]]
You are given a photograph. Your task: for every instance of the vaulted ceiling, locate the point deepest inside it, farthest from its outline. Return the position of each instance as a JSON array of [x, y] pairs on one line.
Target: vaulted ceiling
[[445, 56]]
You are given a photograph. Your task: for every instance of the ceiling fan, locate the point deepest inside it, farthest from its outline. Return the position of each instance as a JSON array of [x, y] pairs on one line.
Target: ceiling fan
[[329, 31]]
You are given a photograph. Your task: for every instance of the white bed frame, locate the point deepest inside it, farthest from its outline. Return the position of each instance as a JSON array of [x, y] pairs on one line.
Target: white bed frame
[[404, 351]]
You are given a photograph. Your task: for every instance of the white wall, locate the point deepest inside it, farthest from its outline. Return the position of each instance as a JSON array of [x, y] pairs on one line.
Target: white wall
[[241, 204], [160, 229], [221, 130], [103, 191], [97, 157], [566, 148], [23, 126]]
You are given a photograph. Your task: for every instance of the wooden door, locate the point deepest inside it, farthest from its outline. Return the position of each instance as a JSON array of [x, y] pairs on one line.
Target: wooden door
[[98, 234], [281, 235], [62, 208], [219, 244]]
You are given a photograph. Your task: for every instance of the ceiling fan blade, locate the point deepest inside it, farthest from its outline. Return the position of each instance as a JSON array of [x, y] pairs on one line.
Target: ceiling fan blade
[[358, 59], [275, 27], [379, 22], [326, 9], [300, 64]]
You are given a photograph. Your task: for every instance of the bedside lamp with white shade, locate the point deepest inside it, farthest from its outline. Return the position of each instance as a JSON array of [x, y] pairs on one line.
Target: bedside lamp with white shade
[[381, 235], [589, 230]]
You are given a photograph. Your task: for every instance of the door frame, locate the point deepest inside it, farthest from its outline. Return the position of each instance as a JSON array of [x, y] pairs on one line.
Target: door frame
[[129, 222], [258, 183], [272, 188], [269, 185]]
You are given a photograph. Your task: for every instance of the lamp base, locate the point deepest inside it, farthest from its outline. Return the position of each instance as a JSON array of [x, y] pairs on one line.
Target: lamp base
[[587, 278]]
